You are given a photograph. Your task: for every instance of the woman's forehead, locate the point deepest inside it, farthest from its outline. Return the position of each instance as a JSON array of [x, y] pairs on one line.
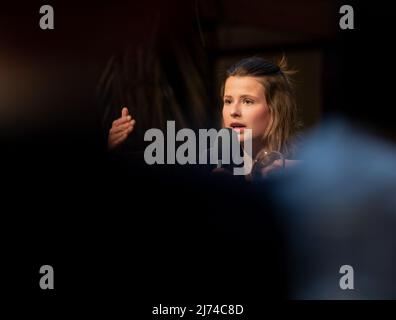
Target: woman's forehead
[[243, 85]]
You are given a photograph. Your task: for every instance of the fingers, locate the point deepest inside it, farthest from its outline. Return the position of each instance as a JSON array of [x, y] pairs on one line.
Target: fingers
[[278, 163], [122, 127], [120, 139], [121, 120], [275, 166], [116, 135], [124, 112], [118, 132]]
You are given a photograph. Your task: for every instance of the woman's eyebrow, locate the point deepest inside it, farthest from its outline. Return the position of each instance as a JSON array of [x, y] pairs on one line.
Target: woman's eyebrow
[[248, 96]]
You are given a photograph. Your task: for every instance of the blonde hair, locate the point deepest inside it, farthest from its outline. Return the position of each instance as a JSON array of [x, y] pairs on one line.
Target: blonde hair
[[279, 92]]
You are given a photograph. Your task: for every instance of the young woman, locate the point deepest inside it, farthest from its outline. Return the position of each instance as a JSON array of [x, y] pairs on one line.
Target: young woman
[[257, 95]]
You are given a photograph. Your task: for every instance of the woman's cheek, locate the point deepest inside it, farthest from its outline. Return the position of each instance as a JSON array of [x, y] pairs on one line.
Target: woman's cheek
[[224, 117], [260, 123]]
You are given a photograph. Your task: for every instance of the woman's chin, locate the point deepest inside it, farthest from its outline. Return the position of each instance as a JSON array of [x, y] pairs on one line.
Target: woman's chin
[[240, 135], [239, 131], [243, 135]]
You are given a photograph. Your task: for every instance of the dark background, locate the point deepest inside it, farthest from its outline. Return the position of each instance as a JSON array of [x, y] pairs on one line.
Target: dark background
[[110, 228], [47, 75]]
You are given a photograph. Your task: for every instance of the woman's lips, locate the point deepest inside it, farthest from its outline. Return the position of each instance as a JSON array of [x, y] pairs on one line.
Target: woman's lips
[[238, 127]]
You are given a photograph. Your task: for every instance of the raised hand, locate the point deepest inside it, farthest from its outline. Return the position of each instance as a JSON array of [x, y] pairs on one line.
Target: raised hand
[[120, 129]]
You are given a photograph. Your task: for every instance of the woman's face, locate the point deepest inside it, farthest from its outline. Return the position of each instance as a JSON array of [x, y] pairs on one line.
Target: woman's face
[[245, 106]]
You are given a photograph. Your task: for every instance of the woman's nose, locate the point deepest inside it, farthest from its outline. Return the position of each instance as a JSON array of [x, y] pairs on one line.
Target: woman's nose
[[235, 110]]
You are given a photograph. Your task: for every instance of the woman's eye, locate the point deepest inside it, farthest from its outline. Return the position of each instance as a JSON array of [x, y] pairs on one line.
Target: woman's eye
[[227, 101], [248, 101]]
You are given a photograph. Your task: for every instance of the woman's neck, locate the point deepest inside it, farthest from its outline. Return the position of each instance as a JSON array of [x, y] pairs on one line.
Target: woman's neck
[[257, 146]]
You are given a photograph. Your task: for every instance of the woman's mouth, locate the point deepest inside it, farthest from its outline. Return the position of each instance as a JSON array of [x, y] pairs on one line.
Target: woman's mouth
[[238, 127]]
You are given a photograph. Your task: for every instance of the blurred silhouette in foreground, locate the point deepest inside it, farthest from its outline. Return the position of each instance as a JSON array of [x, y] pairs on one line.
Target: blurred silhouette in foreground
[[339, 209]]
